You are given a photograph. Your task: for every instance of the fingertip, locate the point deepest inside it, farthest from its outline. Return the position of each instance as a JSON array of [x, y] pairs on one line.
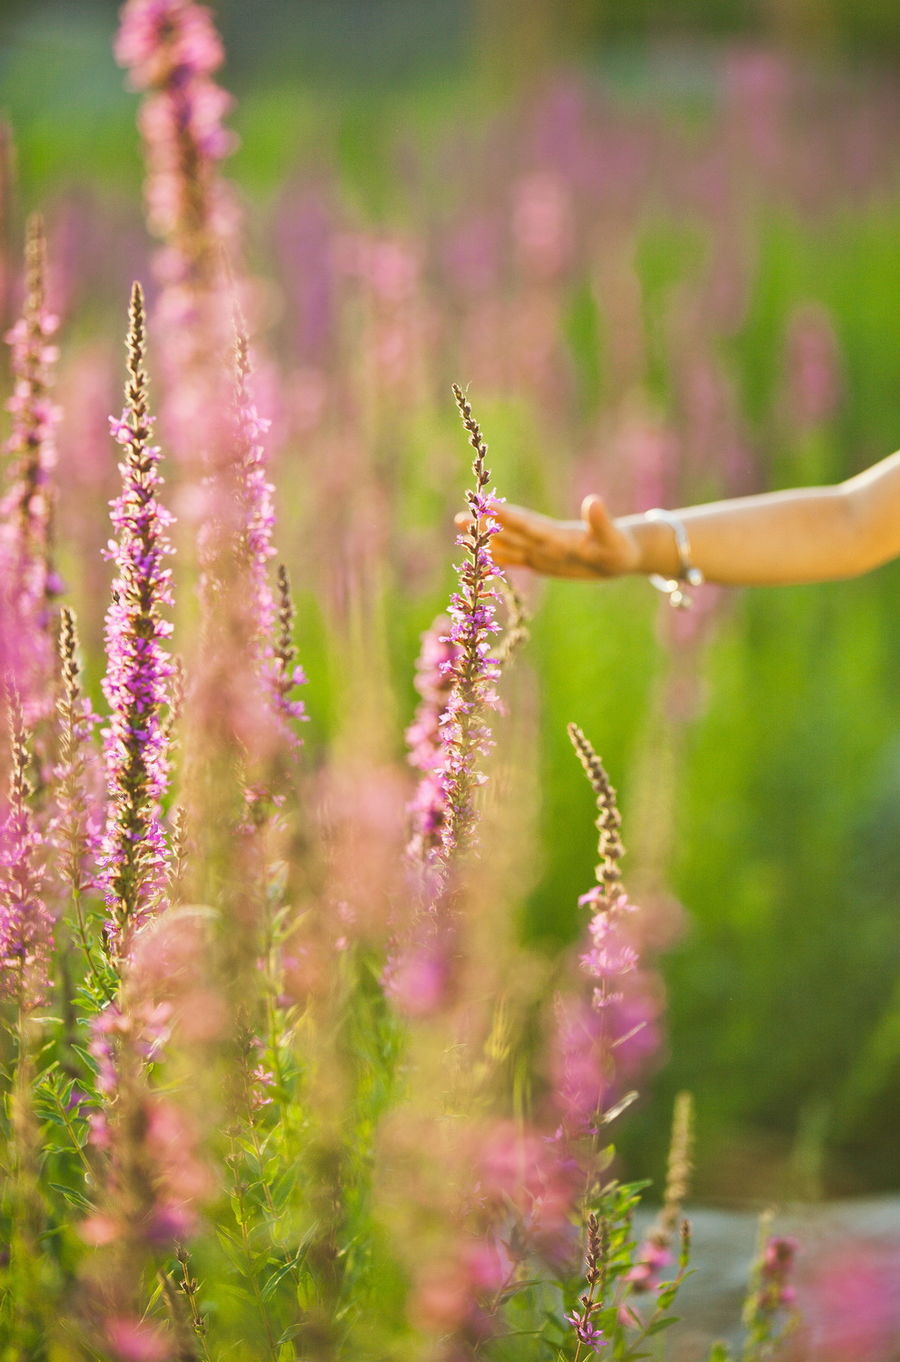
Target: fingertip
[[590, 506]]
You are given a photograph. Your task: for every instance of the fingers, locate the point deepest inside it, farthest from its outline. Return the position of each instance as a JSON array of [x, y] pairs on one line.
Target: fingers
[[510, 517], [509, 555], [554, 548]]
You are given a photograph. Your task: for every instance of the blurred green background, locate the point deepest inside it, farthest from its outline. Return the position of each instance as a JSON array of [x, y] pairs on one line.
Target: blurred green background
[[661, 243]]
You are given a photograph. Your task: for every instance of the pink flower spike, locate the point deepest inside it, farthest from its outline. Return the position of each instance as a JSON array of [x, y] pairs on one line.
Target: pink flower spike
[[139, 669]]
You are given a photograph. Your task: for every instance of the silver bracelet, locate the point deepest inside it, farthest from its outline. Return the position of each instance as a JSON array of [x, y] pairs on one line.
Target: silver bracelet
[[670, 586]]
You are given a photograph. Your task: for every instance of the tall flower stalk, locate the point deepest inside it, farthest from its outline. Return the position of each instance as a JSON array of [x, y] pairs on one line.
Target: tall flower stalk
[[457, 678], [77, 825], [28, 583], [26, 951], [434, 683], [473, 670], [139, 667], [622, 1000], [770, 1313], [26, 924], [171, 50], [655, 1251], [270, 620]]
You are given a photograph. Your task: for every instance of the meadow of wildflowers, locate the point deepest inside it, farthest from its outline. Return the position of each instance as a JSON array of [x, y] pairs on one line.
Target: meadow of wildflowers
[[322, 1045]]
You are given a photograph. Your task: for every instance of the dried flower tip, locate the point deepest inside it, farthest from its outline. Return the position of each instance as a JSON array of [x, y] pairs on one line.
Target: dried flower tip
[[609, 820], [684, 1253], [285, 648], [680, 1165], [68, 648]]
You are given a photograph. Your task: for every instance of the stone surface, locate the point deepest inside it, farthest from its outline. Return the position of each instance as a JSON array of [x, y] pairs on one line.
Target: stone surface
[[848, 1279]]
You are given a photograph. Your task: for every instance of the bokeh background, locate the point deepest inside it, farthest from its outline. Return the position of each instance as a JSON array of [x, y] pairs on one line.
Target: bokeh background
[[660, 243]]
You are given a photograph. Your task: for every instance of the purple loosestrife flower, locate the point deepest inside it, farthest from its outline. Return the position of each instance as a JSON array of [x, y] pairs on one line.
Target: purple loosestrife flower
[[655, 1251], [775, 1270], [28, 582], [596, 1267], [597, 1047], [434, 682], [26, 926], [457, 675], [769, 1310], [77, 826], [171, 49], [586, 1332], [139, 668], [270, 625], [473, 671]]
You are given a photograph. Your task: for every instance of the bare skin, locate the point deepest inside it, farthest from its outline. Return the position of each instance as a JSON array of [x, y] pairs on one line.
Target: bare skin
[[777, 538]]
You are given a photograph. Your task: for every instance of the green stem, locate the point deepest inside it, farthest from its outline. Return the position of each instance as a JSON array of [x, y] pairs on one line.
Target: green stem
[[249, 1254], [189, 1289]]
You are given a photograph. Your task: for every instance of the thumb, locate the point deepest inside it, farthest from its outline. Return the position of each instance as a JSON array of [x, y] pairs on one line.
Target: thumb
[[595, 515]]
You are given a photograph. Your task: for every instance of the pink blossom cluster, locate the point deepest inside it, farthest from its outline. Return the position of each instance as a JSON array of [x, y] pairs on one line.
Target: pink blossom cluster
[[139, 668], [28, 582], [776, 1291], [473, 670], [650, 1258], [457, 674], [155, 1180], [155, 1185], [518, 1212], [26, 923], [524, 1175], [133, 1339], [171, 49], [600, 1043], [434, 681], [256, 550]]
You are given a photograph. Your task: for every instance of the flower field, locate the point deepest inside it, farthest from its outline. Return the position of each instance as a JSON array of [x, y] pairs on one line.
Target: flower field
[[336, 1021]]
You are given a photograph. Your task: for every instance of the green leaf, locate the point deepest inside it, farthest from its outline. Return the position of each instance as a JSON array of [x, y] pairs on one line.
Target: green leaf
[[75, 1198], [290, 1333], [667, 1296], [658, 1325]]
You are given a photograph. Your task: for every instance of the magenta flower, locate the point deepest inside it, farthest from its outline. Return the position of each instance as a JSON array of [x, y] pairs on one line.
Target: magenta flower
[[171, 49], [155, 1177], [457, 676], [28, 583], [597, 1046], [26, 925], [769, 1307], [132, 1339], [586, 1332], [270, 623], [775, 1270], [139, 668], [473, 671], [650, 1257], [434, 682]]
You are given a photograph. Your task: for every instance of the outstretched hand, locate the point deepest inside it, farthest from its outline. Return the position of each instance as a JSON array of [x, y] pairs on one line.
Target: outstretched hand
[[594, 546]]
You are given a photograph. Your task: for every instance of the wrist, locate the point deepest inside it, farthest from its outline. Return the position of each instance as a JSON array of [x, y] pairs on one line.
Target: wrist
[[655, 550]]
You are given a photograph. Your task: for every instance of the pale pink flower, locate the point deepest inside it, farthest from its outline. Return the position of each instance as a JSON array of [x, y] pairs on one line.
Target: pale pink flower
[[135, 1340]]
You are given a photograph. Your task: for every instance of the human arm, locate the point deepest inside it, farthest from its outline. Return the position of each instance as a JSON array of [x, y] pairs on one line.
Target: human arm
[[775, 538]]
